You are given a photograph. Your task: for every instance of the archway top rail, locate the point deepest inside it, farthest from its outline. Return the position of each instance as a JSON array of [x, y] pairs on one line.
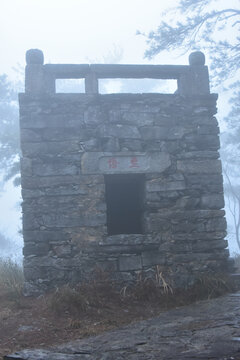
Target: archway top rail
[[192, 79]]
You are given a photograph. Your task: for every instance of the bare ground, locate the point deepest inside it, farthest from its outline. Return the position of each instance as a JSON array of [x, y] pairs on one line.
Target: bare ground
[[31, 323], [209, 329], [54, 319]]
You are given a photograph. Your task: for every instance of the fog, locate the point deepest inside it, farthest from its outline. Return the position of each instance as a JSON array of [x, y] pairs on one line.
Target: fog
[[81, 31]]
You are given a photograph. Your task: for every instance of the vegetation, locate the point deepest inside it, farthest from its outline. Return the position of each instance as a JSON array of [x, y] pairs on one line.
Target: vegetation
[[73, 312], [11, 279], [206, 24], [93, 295], [213, 27], [9, 135]]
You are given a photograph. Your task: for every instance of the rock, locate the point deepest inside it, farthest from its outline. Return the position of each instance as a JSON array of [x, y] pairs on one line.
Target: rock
[[202, 167], [128, 263], [208, 329]]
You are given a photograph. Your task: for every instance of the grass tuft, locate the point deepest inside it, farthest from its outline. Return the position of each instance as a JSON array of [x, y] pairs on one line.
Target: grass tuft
[[91, 294], [67, 299], [100, 292], [11, 279]]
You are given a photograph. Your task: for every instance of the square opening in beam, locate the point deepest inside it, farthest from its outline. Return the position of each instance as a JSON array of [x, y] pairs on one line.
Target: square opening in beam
[[125, 199], [137, 86], [70, 86]]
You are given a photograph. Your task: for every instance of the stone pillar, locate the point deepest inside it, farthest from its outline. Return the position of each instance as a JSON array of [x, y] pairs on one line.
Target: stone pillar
[[36, 81], [195, 81], [91, 83]]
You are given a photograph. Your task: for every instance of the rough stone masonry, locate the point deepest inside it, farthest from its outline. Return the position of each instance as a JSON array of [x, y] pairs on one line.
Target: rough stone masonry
[[127, 183]]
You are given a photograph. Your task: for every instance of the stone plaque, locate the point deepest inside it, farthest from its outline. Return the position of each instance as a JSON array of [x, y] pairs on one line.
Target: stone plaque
[[119, 163]]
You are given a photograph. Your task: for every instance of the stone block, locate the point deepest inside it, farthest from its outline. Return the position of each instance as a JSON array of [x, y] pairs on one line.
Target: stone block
[[90, 145], [67, 134], [26, 166], [128, 263], [119, 131], [36, 249], [209, 245], [115, 116], [127, 239], [94, 116], [162, 133], [108, 265], [198, 155], [155, 224], [202, 142], [27, 194], [54, 168], [110, 144], [29, 135], [150, 258], [55, 148], [69, 220], [186, 226], [199, 236], [217, 224], [39, 261], [200, 166], [212, 201], [164, 185], [203, 180], [188, 202], [35, 182], [30, 221], [44, 121], [35, 273], [208, 129], [138, 118], [62, 250], [178, 214], [130, 162], [40, 236], [131, 145]]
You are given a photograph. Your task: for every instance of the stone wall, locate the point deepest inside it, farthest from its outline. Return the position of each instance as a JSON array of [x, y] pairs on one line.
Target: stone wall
[[70, 142]]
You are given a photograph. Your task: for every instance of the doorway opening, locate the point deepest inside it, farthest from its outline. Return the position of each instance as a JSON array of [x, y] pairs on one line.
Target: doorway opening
[[125, 199]]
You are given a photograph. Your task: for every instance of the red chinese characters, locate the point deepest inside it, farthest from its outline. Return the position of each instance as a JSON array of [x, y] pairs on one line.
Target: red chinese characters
[[134, 162], [112, 163]]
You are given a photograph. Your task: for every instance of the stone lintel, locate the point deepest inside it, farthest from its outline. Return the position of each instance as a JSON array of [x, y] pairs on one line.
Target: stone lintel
[[119, 163]]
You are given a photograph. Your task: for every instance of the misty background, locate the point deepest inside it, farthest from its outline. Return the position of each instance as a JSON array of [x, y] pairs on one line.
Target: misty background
[[117, 31]]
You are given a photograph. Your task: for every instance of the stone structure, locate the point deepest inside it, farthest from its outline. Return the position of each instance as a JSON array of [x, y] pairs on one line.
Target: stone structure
[[125, 182]]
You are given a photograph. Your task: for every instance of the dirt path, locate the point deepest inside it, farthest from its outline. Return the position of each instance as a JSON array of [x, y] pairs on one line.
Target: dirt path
[[206, 330]]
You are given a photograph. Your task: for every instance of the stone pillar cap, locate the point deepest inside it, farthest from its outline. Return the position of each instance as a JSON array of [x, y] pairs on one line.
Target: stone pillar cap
[[34, 56], [196, 58]]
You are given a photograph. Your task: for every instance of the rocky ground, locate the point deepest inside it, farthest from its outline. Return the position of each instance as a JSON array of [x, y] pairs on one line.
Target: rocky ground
[[209, 329], [32, 323]]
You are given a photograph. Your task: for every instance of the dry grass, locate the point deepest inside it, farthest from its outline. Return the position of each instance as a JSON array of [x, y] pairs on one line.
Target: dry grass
[[11, 279], [158, 290], [91, 308], [211, 285], [100, 293], [84, 297]]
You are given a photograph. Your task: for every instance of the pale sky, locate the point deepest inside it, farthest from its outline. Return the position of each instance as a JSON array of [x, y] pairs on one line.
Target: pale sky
[[75, 31]]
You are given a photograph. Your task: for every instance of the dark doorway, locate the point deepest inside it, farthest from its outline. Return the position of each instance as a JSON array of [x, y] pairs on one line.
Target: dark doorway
[[124, 198]]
